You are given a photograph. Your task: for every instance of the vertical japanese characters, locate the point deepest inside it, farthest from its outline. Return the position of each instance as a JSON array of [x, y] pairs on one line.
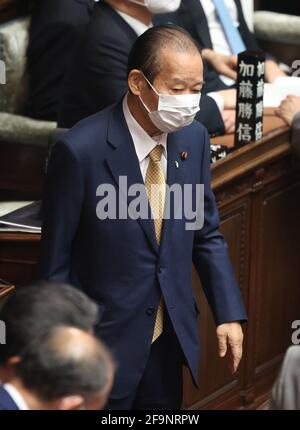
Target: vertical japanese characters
[[250, 94]]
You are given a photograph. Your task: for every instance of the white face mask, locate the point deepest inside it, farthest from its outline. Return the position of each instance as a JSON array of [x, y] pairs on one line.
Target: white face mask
[[159, 6], [173, 112]]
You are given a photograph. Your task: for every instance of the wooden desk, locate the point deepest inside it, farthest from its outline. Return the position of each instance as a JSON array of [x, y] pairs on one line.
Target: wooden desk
[[5, 290], [18, 257], [258, 193]]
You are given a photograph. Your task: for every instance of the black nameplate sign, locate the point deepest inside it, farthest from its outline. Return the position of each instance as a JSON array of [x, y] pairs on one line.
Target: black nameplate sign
[[250, 95]]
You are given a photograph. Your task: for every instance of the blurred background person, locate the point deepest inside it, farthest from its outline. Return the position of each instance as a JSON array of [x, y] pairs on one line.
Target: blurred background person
[[97, 75], [36, 309], [286, 390], [55, 27], [64, 369], [220, 28], [289, 110]]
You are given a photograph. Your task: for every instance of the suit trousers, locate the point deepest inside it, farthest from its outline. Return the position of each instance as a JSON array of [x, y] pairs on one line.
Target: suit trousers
[[161, 384]]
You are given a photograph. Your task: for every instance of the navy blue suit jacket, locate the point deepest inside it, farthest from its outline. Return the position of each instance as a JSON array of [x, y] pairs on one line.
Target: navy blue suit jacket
[[118, 262], [6, 402]]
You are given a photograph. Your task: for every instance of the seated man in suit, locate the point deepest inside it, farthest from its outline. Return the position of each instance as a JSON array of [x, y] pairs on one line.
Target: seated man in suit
[[55, 27], [36, 309], [63, 369], [97, 74], [289, 110], [113, 229], [220, 28]]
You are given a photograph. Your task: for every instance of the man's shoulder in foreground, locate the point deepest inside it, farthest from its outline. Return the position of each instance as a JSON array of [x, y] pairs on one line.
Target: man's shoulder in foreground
[[89, 131]]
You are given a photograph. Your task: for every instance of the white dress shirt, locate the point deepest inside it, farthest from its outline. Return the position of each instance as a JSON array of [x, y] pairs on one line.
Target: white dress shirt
[[144, 143], [137, 26], [16, 396], [217, 35]]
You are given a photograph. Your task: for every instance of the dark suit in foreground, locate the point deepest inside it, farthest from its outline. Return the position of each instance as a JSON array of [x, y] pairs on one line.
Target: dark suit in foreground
[[117, 261]]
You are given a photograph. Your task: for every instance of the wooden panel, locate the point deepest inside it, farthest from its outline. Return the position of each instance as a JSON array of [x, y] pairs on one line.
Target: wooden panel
[[220, 388], [278, 288], [22, 168], [18, 257]]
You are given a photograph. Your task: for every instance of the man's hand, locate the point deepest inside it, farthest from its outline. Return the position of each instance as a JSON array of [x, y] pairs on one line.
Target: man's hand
[[272, 71], [289, 108], [231, 335], [228, 117], [223, 64]]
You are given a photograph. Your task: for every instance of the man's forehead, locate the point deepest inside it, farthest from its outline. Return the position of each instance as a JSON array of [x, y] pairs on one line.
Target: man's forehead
[[179, 62]]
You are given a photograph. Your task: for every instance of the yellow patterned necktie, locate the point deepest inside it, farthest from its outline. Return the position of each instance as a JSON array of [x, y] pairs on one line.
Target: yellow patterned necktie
[[155, 183]]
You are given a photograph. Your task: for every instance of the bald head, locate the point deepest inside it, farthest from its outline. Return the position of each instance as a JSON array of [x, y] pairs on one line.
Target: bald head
[[66, 362], [70, 343]]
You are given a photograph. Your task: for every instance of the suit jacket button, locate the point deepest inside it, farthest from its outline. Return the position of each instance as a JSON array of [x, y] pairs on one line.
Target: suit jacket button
[[150, 311]]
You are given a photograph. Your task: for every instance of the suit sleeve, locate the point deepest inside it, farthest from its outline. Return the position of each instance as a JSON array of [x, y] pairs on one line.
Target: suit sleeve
[[61, 213], [209, 115], [105, 77], [211, 259]]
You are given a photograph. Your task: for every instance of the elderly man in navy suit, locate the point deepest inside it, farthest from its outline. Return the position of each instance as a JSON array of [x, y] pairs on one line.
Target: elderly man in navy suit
[[136, 260]]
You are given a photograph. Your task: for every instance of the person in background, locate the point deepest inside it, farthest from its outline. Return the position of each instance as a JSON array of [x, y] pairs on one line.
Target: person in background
[[97, 75], [289, 111], [35, 309], [286, 390], [220, 28], [63, 369], [55, 27]]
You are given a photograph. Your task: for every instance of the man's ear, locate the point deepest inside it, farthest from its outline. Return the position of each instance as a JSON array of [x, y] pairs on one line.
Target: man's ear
[[136, 82], [70, 403]]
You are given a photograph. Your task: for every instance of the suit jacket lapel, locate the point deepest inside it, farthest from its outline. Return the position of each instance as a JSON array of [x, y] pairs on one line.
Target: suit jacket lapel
[[123, 161], [175, 175]]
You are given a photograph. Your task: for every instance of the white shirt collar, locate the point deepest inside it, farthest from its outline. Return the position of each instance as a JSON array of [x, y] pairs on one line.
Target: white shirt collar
[[136, 25], [16, 396], [143, 143]]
